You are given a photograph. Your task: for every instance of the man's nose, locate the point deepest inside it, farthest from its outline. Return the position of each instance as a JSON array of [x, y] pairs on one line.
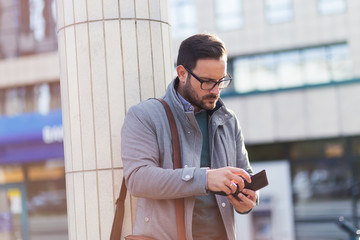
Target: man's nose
[[215, 90]]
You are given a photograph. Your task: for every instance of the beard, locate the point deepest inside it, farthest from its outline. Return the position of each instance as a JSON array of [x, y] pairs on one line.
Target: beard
[[207, 102]]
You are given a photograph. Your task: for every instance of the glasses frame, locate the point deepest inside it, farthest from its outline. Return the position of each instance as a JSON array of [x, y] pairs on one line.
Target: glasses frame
[[215, 82]]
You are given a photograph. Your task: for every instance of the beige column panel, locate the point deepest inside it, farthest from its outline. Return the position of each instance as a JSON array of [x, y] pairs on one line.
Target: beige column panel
[[113, 54]]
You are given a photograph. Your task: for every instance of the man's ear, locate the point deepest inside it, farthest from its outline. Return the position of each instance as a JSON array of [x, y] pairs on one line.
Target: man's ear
[[181, 73]]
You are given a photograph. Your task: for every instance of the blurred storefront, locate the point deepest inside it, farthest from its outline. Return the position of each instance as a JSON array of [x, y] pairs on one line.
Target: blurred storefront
[[32, 174]]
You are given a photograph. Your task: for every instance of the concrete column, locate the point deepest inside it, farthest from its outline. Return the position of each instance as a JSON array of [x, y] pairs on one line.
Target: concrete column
[[113, 54]]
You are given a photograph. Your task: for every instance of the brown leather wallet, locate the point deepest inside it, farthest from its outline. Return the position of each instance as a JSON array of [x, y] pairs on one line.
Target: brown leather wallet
[[258, 181]]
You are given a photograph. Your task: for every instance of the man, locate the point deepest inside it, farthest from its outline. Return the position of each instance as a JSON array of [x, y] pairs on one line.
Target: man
[[213, 154]]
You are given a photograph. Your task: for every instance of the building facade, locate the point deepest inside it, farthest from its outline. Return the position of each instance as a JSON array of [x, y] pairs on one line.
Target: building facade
[[296, 78], [296, 71], [32, 176]]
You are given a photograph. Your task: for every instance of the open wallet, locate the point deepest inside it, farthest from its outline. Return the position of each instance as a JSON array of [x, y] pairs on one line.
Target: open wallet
[[258, 181]]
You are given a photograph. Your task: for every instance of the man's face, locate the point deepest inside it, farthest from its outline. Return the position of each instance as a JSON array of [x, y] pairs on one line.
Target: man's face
[[190, 87]]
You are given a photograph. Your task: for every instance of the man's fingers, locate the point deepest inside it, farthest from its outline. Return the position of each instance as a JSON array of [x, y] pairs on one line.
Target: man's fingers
[[222, 179], [242, 173], [239, 176]]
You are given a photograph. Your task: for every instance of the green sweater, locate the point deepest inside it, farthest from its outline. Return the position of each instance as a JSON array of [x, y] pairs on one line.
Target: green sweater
[[207, 223]]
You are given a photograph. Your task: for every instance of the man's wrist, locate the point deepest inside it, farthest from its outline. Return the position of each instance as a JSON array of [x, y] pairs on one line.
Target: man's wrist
[[206, 178]]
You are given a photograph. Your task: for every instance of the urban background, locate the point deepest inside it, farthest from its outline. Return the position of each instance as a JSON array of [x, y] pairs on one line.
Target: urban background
[[296, 71]]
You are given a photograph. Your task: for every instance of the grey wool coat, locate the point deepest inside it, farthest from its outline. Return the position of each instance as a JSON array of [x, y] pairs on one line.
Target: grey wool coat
[[148, 169]]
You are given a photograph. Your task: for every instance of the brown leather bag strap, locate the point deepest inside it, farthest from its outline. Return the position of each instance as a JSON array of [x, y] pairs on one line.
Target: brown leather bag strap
[[174, 135], [119, 213], [179, 202], [180, 216]]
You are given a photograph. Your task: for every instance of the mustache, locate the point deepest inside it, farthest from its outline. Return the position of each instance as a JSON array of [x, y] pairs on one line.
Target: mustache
[[209, 96]]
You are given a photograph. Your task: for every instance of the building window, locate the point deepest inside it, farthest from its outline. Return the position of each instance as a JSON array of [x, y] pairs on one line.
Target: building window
[[15, 101], [315, 65], [293, 68], [278, 11], [328, 7], [27, 27], [340, 62], [289, 69], [9, 26], [40, 98], [183, 14], [42, 19], [228, 16]]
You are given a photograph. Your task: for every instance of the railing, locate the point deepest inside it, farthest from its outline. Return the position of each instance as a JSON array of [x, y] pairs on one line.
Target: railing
[[351, 230]]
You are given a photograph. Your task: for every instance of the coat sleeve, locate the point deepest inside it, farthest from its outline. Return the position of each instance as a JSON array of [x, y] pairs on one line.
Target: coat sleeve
[[144, 151]]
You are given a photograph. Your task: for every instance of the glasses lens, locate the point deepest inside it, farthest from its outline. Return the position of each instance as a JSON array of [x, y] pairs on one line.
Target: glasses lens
[[225, 83], [207, 85]]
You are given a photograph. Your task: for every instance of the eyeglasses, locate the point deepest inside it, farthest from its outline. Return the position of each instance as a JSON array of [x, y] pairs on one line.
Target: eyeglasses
[[208, 85]]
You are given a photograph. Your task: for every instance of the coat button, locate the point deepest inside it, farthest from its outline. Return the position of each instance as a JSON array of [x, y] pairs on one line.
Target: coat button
[[187, 177], [147, 219], [185, 166], [223, 204]]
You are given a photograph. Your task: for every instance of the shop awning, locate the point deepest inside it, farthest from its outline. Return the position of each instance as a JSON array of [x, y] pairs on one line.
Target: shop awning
[[31, 137]]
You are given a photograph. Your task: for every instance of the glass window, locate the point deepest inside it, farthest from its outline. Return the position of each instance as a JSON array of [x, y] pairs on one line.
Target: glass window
[[242, 75], [267, 152], [263, 72], [228, 15], [9, 24], [37, 21], [27, 27], [289, 69], [318, 149], [295, 68], [255, 73], [36, 98], [15, 101], [42, 98], [315, 66], [328, 7], [278, 11], [42, 19], [340, 62], [46, 187], [183, 14], [321, 180], [11, 174], [48, 170]]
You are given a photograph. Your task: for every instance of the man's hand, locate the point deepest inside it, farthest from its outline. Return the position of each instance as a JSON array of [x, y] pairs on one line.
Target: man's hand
[[225, 179], [246, 203]]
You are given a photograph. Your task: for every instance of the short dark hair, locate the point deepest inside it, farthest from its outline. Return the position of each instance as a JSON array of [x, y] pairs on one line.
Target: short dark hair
[[200, 46]]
